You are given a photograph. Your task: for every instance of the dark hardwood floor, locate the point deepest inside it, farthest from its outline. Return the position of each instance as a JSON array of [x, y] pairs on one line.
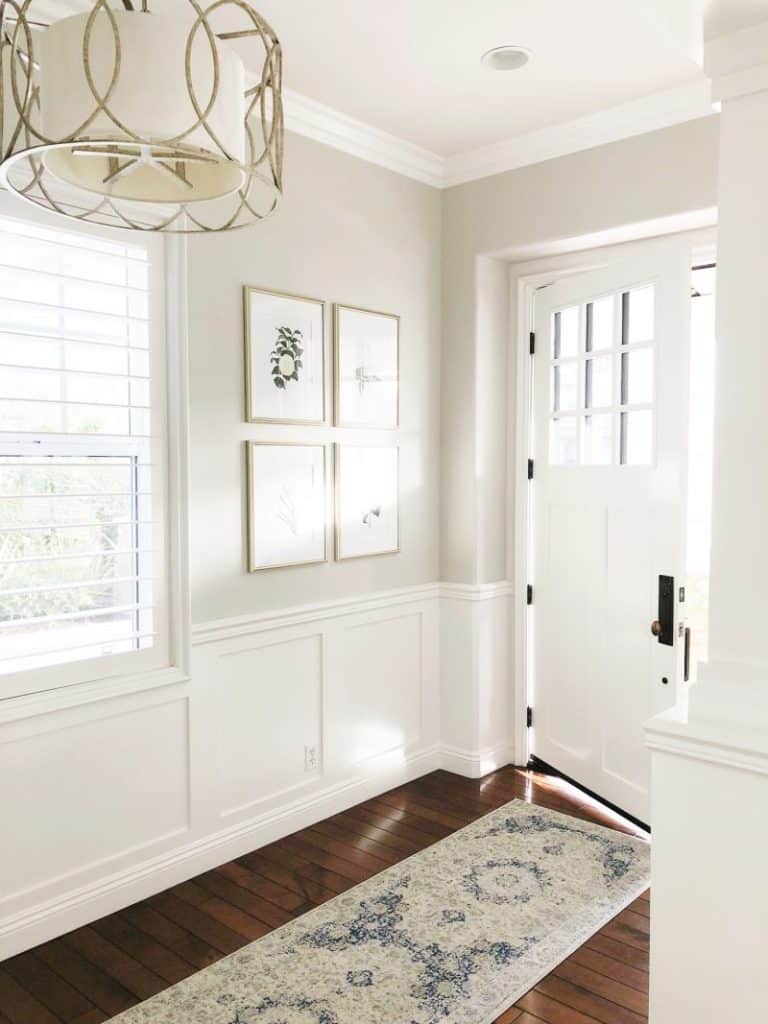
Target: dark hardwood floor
[[93, 973]]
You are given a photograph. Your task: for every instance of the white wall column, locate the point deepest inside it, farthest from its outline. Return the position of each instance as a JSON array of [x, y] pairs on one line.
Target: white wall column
[[710, 759]]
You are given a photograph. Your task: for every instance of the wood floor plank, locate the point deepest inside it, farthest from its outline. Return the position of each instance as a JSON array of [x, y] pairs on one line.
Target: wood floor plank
[[237, 921], [289, 877], [61, 998], [632, 955], [611, 968], [189, 947], [394, 838], [551, 1010], [279, 895], [588, 1002], [342, 833], [197, 922], [142, 947], [104, 990], [20, 1006], [132, 975], [599, 984], [268, 913], [99, 971]]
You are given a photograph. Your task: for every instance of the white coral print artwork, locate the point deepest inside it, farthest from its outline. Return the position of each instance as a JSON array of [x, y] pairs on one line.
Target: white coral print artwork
[[286, 505]]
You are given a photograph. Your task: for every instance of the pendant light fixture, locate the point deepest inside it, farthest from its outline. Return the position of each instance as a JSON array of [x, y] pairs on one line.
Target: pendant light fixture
[[154, 115]]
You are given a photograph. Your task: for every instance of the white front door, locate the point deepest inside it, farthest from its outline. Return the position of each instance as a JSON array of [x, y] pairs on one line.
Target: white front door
[[609, 446]]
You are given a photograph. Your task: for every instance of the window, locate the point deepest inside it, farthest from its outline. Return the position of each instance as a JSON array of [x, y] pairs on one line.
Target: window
[[602, 381], [82, 462]]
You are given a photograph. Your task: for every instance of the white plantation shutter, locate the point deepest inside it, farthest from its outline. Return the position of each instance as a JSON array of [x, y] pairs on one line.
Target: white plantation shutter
[[80, 501]]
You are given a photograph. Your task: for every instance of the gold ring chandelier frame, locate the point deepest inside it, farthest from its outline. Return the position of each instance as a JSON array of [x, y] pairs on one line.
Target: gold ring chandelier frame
[[148, 120]]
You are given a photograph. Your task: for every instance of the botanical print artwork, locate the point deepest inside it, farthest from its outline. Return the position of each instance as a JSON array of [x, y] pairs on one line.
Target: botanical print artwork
[[366, 501], [367, 368], [286, 505], [284, 358], [453, 935]]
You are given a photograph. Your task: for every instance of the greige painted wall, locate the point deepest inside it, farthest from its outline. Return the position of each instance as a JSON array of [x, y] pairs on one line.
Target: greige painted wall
[[660, 174], [347, 231], [352, 232]]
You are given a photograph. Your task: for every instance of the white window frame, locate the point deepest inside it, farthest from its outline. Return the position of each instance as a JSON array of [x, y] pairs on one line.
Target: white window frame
[[167, 661]]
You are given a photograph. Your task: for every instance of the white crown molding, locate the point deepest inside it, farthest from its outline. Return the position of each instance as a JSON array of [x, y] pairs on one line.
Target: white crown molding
[[317, 121], [324, 124], [659, 110]]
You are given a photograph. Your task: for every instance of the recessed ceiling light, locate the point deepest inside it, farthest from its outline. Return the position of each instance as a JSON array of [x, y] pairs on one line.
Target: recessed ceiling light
[[506, 58]]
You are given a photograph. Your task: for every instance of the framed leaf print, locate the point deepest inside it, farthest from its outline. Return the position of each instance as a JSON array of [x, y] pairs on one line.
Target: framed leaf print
[[287, 504], [367, 349], [284, 358], [367, 501]]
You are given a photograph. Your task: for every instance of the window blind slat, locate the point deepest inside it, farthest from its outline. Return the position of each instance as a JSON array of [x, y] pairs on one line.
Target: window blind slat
[[75, 431]]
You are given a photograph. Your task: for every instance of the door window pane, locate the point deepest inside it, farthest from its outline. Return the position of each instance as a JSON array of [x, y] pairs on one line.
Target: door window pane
[[597, 448], [565, 386], [639, 306], [599, 382], [566, 333], [637, 377], [600, 324], [637, 438], [564, 441]]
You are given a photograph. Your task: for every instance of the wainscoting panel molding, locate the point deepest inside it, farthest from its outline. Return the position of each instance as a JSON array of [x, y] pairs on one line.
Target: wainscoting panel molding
[[286, 718]]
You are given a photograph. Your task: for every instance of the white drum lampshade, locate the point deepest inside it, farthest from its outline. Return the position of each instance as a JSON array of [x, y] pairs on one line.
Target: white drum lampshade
[[144, 120]]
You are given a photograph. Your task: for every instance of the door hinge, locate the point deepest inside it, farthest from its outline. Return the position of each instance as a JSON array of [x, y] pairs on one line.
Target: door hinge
[[532, 343], [529, 716], [529, 594], [530, 469]]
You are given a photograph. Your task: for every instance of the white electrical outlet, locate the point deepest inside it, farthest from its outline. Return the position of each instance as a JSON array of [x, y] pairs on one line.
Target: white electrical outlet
[[311, 760]]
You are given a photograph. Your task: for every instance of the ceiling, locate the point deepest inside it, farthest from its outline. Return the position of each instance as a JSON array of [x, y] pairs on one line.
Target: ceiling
[[724, 16], [412, 67]]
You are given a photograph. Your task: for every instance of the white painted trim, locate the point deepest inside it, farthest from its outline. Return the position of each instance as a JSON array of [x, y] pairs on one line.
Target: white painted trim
[[476, 591], [178, 472], [324, 124], [742, 749], [90, 902], [226, 629], [472, 764], [649, 113]]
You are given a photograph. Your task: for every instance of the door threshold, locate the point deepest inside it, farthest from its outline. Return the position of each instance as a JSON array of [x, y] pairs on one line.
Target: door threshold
[[537, 765]]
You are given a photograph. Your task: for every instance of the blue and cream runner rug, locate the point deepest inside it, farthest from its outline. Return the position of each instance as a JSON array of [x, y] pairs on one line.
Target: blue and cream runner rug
[[455, 934]]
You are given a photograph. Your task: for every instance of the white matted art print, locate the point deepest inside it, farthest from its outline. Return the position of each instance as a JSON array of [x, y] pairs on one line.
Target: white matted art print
[[287, 505], [284, 358], [367, 348], [367, 501]]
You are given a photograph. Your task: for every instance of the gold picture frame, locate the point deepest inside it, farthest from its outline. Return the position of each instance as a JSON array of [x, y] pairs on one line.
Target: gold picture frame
[[256, 564], [255, 402], [338, 484], [339, 418]]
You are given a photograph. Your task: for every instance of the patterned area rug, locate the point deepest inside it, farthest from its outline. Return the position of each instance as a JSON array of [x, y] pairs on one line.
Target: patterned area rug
[[455, 934]]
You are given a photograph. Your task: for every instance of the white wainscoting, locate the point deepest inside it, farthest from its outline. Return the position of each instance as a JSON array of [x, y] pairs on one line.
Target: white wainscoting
[[287, 718], [476, 692]]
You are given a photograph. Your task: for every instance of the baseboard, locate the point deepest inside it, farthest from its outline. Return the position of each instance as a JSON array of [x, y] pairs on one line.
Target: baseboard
[[474, 764], [76, 908]]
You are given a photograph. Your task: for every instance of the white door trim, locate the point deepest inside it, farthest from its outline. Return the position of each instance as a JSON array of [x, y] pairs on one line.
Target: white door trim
[[525, 279]]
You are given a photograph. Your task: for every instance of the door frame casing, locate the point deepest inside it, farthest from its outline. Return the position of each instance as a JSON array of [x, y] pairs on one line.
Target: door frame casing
[[526, 278]]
